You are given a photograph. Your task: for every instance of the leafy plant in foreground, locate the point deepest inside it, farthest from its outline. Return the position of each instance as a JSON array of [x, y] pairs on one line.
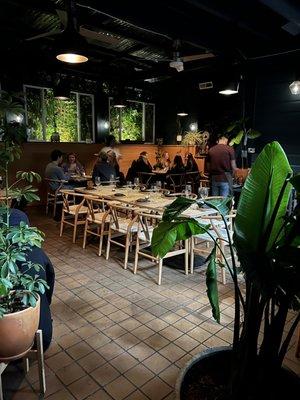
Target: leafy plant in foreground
[[266, 240]]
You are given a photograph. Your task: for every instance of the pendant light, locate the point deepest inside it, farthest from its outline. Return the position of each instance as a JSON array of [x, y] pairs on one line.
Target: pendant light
[[62, 90], [230, 88], [182, 113], [70, 44]]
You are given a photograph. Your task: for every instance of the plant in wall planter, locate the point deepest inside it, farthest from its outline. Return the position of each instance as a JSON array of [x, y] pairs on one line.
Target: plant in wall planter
[[19, 292], [267, 242], [240, 133]]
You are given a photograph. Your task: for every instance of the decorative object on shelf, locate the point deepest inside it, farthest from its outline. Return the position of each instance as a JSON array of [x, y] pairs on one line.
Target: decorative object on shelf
[[198, 139], [266, 304], [179, 139], [158, 154], [55, 137]]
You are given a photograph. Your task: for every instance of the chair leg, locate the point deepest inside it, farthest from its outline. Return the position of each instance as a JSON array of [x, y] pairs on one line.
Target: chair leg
[[108, 244], [136, 258], [160, 264], [186, 256], [47, 205], [2, 368], [101, 240], [75, 228], [62, 223], [298, 346], [192, 255], [85, 233], [40, 360], [54, 207], [127, 243]]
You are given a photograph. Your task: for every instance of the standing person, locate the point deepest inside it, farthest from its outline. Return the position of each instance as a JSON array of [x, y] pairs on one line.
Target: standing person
[[110, 145], [221, 166]]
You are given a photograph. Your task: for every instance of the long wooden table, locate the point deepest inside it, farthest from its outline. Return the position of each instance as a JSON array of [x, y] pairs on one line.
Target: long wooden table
[[154, 201]]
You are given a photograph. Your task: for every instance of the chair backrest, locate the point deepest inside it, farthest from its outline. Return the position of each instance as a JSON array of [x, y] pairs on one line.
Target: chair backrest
[[177, 180], [146, 177], [66, 194], [146, 222], [119, 210], [96, 205], [55, 182]]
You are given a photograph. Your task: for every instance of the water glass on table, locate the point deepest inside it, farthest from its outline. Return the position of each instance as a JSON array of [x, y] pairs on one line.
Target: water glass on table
[[188, 190], [98, 181], [158, 185], [203, 192], [136, 183]]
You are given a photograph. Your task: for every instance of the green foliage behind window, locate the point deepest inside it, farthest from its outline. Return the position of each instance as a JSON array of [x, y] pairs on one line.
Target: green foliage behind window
[[72, 119]]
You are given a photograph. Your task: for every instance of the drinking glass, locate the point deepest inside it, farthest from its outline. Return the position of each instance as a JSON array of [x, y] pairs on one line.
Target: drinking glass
[[129, 184], [97, 181], [136, 182], [158, 185], [188, 190], [203, 192]]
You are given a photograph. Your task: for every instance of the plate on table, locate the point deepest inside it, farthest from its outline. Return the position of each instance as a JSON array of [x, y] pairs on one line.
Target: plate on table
[[119, 194], [143, 200]]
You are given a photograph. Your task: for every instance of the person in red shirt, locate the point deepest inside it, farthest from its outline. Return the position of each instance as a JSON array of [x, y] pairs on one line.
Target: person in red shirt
[[221, 166]]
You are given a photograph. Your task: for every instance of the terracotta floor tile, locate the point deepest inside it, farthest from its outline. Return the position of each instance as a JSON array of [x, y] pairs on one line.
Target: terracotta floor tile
[[142, 332], [156, 389], [170, 374], [97, 340], [139, 375], [110, 350], [141, 351], [99, 395], [120, 388], [137, 395], [83, 387], [172, 352], [79, 350], [62, 394], [58, 361], [105, 374], [156, 363], [156, 341], [70, 373], [91, 361], [127, 341], [171, 333], [123, 362], [114, 331], [68, 340], [186, 343]]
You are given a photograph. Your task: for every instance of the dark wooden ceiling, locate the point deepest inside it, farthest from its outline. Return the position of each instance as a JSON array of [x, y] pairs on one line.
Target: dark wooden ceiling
[[134, 40]]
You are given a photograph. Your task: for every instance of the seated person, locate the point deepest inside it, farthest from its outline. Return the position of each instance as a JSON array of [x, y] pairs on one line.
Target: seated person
[[103, 169], [54, 171], [38, 256], [142, 163], [191, 165], [177, 166], [72, 166], [165, 160], [112, 160]]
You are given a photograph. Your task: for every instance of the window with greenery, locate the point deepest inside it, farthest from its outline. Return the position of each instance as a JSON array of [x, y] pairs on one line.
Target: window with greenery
[[73, 119], [135, 122]]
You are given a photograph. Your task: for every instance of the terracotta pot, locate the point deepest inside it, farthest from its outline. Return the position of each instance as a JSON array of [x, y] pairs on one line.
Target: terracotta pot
[[17, 332]]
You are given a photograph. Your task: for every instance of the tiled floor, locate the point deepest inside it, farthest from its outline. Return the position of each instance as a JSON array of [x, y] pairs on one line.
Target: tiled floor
[[118, 335]]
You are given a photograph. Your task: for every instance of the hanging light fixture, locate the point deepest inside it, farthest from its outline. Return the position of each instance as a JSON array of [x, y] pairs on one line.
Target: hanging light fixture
[[230, 88], [70, 43], [295, 87], [62, 91], [182, 114], [119, 102]]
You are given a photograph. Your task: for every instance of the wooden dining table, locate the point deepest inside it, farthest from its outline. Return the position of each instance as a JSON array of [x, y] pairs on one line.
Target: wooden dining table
[[153, 201]]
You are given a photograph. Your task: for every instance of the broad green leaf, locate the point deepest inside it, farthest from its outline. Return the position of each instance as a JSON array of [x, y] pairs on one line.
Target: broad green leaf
[[259, 197], [253, 134], [212, 285], [223, 206], [237, 138], [176, 208]]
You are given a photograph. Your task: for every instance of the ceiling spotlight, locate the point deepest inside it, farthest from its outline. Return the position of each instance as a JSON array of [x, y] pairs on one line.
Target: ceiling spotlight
[[182, 114], [230, 88], [295, 87]]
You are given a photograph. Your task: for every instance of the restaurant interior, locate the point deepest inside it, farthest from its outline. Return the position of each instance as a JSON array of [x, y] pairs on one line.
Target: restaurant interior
[[149, 199]]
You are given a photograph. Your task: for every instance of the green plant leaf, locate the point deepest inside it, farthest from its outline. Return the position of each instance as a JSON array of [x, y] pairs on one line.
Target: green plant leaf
[[212, 285], [253, 134], [223, 206], [237, 138], [176, 208], [259, 197]]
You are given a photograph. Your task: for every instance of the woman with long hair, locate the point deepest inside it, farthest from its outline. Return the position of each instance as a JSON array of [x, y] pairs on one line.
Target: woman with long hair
[[72, 166]]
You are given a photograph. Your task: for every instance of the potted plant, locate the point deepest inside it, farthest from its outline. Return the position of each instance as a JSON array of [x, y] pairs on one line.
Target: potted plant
[[266, 240], [198, 139], [240, 133], [19, 292]]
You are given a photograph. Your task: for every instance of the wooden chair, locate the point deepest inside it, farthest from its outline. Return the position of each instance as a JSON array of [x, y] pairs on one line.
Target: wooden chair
[[39, 353], [146, 178], [72, 214], [123, 223], [176, 182], [218, 232], [53, 195], [297, 354], [193, 179], [146, 224], [97, 217]]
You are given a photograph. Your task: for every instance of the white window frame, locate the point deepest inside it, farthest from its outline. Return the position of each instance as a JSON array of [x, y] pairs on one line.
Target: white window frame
[[78, 94], [143, 118]]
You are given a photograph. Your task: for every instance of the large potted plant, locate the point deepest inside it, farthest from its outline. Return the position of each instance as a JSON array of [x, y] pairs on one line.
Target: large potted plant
[[19, 292], [266, 240]]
